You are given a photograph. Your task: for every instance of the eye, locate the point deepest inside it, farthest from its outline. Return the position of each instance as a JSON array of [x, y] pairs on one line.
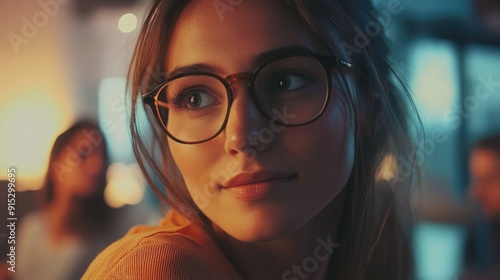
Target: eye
[[84, 154], [199, 99], [290, 82], [195, 99]]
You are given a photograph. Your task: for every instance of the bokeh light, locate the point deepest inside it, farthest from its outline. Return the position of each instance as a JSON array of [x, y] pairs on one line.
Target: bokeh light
[[125, 186], [127, 23]]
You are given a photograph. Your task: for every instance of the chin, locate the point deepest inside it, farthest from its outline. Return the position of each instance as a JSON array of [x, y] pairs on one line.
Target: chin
[[259, 236], [261, 229]]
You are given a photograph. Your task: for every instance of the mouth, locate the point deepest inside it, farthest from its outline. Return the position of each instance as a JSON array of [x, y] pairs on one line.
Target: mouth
[[258, 185]]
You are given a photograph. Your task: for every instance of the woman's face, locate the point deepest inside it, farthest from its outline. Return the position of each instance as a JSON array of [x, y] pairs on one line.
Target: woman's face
[[266, 192], [79, 169]]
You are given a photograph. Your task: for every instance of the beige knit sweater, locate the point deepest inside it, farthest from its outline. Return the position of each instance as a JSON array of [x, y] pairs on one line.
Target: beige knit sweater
[[175, 249]]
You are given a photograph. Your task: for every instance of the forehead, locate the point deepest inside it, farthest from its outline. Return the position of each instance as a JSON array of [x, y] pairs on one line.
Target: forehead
[[231, 38]]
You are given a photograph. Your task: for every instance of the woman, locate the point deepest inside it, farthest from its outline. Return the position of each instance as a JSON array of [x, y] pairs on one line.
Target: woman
[[60, 240], [483, 244], [269, 130]]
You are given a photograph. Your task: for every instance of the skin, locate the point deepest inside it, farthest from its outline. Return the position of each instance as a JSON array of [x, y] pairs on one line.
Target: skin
[[279, 230], [485, 187], [84, 170]]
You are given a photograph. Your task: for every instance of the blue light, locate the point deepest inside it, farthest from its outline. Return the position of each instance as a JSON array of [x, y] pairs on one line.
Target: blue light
[[113, 119], [435, 80], [438, 251]]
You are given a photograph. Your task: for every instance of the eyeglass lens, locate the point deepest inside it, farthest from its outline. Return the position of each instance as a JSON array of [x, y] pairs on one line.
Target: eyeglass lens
[[194, 108]]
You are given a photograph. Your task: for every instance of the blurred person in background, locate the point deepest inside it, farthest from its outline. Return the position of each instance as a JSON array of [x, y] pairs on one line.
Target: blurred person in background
[[485, 173], [483, 248], [59, 240]]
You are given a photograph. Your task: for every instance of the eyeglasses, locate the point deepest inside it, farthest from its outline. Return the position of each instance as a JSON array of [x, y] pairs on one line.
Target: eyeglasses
[[290, 90]]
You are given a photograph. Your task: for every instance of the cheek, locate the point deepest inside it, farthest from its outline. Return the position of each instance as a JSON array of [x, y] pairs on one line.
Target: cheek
[[335, 152], [337, 128], [325, 148], [323, 155], [338, 137], [194, 162]]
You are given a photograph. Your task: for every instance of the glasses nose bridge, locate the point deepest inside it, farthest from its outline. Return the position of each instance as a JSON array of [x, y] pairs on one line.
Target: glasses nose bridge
[[239, 77], [247, 79]]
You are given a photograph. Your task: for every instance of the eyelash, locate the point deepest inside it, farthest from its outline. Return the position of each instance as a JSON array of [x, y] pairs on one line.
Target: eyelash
[[180, 95]]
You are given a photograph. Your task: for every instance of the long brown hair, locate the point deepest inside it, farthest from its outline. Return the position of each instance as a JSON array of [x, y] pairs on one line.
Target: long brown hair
[[87, 213], [373, 233]]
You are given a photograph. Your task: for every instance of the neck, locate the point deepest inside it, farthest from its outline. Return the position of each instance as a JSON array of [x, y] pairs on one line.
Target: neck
[[305, 254]]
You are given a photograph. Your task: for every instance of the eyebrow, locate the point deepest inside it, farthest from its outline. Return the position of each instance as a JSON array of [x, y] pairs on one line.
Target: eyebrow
[[259, 60]]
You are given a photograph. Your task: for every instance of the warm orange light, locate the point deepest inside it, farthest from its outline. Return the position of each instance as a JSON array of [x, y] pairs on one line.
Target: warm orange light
[[35, 101], [32, 121], [124, 185], [387, 169]]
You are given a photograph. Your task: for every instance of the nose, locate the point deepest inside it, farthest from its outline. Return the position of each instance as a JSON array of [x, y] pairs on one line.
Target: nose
[[245, 124]]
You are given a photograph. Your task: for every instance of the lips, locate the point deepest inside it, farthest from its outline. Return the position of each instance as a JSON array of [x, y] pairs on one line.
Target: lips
[[258, 185]]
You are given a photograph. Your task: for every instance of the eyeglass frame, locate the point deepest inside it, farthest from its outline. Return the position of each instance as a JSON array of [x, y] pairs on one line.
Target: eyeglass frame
[[326, 61]]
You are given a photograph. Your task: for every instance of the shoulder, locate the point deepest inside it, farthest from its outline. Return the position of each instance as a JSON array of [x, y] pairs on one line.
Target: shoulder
[[157, 254]]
